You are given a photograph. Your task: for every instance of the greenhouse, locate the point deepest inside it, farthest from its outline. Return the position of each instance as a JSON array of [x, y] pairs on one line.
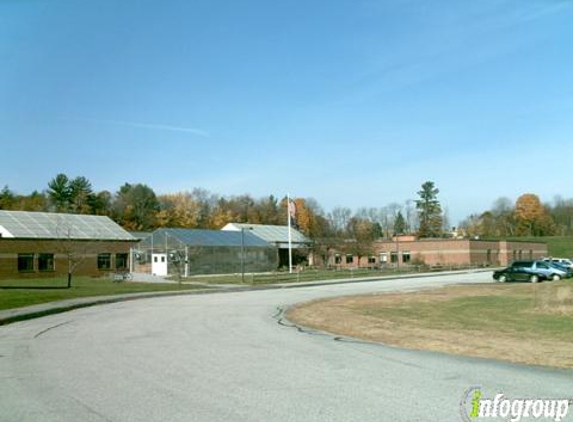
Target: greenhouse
[[186, 252], [279, 237]]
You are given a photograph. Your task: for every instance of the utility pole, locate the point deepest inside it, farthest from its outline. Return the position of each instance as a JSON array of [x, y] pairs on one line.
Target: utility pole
[[243, 252], [242, 255], [398, 252], [186, 261], [289, 235]]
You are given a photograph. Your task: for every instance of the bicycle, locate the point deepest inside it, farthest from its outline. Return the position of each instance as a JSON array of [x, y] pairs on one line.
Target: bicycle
[[121, 276]]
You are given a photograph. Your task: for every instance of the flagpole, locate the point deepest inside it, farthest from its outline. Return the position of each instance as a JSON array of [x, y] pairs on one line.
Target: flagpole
[[289, 235]]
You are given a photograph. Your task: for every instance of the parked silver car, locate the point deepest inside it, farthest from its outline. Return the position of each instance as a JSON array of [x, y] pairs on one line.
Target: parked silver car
[[566, 262]]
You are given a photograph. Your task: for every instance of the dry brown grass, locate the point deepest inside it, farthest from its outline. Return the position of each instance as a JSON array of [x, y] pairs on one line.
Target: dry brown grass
[[523, 323]]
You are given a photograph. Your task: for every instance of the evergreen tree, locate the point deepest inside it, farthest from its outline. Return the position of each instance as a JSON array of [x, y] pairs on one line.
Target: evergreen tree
[[7, 199], [136, 206], [81, 195], [429, 211], [60, 193], [399, 223]]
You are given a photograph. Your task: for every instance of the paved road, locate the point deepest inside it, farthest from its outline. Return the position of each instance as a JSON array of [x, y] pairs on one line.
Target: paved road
[[225, 358]]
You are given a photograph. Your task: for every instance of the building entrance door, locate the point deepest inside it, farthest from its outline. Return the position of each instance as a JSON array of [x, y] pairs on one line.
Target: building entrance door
[[159, 264]]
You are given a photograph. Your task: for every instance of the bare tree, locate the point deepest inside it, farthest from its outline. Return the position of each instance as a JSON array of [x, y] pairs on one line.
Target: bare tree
[[339, 218], [76, 251], [386, 220], [411, 215], [446, 224]]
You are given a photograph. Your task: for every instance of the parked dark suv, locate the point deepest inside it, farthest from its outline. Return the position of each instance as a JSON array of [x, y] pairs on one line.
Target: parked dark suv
[[550, 271], [519, 274]]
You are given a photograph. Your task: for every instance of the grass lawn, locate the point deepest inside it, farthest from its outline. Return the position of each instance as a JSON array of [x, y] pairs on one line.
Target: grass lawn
[[19, 293], [303, 276], [527, 323], [558, 246], [34, 291], [513, 313]]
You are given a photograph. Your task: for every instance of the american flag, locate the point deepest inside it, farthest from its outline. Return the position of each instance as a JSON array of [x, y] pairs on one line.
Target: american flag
[[292, 210]]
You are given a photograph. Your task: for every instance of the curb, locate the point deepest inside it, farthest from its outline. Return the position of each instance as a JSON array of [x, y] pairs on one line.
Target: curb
[[36, 311]]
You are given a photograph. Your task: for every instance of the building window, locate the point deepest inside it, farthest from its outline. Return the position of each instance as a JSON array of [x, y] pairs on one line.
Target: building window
[[121, 261], [393, 257], [349, 259], [46, 262], [337, 259], [372, 260], [104, 261], [406, 257], [26, 262], [384, 258]]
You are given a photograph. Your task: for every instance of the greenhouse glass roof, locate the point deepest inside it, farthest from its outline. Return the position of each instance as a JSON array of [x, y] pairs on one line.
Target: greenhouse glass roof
[[196, 237], [272, 234], [45, 225]]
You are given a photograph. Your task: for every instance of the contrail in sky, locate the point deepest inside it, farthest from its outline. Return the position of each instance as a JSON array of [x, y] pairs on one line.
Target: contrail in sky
[[194, 131]]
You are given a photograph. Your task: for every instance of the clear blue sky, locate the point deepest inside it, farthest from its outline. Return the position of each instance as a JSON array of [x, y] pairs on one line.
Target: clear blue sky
[[355, 103]]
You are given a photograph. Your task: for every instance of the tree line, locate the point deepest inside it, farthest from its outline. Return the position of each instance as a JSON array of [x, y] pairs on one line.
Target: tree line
[[528, 216], [136, 207]]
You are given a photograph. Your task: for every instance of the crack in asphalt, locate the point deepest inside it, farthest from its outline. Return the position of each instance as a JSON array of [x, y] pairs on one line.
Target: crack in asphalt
[[91, 410], [51, 328], [279, 316], [282, 321]]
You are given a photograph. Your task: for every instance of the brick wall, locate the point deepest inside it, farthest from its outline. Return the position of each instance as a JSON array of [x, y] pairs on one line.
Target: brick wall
[[511, 251], [429, 252], [449, 252], [85, 253]]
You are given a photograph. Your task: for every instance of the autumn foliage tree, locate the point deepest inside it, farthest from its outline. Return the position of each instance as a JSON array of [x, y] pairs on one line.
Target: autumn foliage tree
[[178, 210], [136, 207], [309, 217], [304, 216], [532, 218]]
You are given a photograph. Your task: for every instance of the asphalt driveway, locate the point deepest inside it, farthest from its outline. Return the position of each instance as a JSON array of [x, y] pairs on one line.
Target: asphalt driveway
[[230, 357]]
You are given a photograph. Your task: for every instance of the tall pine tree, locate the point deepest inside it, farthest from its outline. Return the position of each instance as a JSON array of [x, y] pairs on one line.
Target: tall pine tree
[[429, 211], [399, 224]]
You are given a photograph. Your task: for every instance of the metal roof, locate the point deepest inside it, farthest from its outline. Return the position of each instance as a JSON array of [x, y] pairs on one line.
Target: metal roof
[[197, 237], [139, 235], [45, 225], [272, 234]]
